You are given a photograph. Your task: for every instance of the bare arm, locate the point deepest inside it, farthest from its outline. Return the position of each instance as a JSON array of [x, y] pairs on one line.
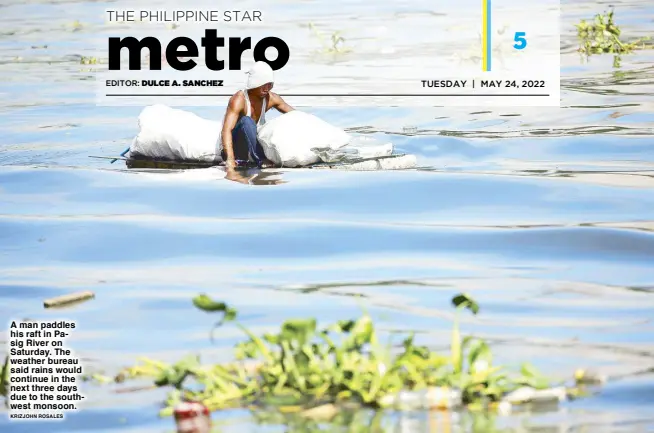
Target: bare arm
[[234, 109], [277, 102]]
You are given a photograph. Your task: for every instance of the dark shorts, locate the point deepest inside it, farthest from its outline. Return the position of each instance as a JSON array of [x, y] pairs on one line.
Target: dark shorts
[[245, 143]]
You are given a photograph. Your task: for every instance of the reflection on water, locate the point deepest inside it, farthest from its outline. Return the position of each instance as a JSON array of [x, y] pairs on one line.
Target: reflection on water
[[389, 422], [544, 215], [246, 176]]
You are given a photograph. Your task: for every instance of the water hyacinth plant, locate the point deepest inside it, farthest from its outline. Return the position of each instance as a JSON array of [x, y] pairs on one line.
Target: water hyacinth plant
[[302, 367], [4, 379], [602, 35], [334, 45]]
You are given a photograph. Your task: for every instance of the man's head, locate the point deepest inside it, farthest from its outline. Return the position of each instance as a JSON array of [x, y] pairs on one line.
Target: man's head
[[260, 79]]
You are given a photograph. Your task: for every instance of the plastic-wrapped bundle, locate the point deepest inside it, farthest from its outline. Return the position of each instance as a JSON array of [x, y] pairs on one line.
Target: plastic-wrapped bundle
[[289, 139], [171, 134]]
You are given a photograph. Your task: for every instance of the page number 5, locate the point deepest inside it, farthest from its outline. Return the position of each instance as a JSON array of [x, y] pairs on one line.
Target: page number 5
[[520, 40]]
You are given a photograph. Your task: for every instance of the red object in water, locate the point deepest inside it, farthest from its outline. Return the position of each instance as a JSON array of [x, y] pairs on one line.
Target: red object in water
[[192, 417]]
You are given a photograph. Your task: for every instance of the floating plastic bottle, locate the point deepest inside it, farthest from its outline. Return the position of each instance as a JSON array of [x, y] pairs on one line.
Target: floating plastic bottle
[[192, 417], [589, 377], [428, 398], [527, 394]]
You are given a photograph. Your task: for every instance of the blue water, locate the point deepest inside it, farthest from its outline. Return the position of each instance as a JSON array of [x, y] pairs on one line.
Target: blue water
[[545, 216]]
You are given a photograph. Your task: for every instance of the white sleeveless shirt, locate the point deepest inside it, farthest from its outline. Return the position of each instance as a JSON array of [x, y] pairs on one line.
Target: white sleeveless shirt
[[262, 118]]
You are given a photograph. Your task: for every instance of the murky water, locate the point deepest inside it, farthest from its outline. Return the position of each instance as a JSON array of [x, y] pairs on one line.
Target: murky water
[[546, 216]]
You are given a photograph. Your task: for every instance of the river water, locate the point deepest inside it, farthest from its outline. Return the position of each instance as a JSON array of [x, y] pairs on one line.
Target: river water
[[545, 216]]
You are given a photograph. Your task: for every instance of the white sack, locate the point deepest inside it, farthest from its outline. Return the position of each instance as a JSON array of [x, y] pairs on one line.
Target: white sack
[[288, 139], [173, 134]]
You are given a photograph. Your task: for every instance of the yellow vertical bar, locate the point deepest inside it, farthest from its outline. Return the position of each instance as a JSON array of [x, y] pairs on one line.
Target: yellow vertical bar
[[484, 34]]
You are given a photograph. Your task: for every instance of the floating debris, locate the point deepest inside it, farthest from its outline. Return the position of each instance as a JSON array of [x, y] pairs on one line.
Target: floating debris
[[316, 372], [589, 377], [76, 26], [528, 394], [324, 412], [425, 399], [89, 60], [192, 417], [330, 46]]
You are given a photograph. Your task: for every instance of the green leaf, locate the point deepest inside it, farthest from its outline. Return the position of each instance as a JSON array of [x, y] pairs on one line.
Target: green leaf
[[165, 378], [246, 350], [299, 330], [308, 353], [494, 391], [532, 377], [205, 303], [342, 326], [463, 300], [272, 338], [479, 352], [329, 345], [174, 398], [408, 342], [175, 375], [363, 330], [286, 399], [467, 341], [540, 383], [258, 342], [529, 370], [4, 377]]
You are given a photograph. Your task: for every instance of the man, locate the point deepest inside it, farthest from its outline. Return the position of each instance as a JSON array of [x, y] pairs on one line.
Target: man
[[246, 112]]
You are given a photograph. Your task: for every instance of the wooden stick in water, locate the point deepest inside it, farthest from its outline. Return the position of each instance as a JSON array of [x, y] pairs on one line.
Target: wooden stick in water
[[136, 389], [324, 412], [67, 299]]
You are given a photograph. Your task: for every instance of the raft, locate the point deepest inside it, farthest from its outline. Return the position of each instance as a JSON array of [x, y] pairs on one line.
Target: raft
[[390, 162]]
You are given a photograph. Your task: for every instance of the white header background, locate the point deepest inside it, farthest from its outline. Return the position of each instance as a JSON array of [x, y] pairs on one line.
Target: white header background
[[388, 49]]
